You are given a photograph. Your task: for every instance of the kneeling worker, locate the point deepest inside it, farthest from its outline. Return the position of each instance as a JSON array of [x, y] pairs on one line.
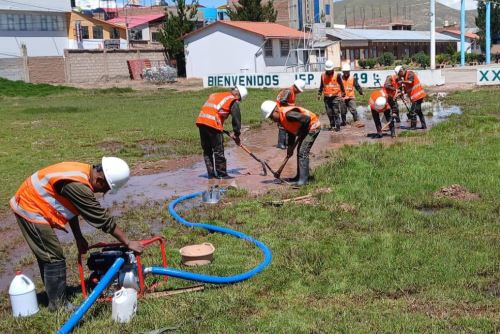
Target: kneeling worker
[[286, 97], [302, 126], [379, 104], [210, 123], [55, 196]]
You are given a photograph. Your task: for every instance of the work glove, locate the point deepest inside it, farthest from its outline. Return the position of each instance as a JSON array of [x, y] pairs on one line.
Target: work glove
[[237, 140], [289, 151]]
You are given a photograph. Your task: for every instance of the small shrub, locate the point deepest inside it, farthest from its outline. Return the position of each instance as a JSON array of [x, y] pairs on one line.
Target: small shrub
[[371, 62], [482, 58], [422, 59], [386, 59], [442, 57], [406, 61], [362, 63]]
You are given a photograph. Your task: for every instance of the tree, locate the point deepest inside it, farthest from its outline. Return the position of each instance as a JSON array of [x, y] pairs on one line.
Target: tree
[[253, 10], [494, 23], [175, 26]]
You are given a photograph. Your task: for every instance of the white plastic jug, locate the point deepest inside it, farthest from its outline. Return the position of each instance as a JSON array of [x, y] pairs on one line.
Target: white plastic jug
[[22, 296], [124, 305]]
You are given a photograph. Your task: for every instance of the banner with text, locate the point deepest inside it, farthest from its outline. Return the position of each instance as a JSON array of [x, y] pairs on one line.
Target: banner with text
[[488, 76], [369, 79]]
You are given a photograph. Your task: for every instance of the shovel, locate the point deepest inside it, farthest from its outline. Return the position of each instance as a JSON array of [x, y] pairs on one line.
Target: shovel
[[277, 174], [263, 165]]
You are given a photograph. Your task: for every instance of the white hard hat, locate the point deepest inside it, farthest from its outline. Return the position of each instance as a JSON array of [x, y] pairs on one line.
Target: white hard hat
[[267, 108], [328, 65], [346, 67], [243, 91], [116, 172], [380, 103], [300, 84], [398, 68]]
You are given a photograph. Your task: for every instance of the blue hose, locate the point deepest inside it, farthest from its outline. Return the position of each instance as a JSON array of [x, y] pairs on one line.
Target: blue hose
[[208, 278], [87, 303]]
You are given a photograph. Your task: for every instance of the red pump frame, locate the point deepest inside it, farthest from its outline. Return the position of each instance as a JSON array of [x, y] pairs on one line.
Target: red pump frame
[[140, 273]]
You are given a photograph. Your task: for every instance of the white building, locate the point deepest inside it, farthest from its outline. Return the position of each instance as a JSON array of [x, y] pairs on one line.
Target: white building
[[241, 47], [40, 25]]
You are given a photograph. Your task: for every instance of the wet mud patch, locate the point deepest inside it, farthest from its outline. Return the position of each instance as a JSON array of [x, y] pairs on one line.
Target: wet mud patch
[[430, 209], [111, 146], [153, 167], [152, 149], [456, 191]]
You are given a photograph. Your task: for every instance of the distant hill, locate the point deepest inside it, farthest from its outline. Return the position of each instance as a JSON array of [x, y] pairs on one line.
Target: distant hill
[[377, 12]]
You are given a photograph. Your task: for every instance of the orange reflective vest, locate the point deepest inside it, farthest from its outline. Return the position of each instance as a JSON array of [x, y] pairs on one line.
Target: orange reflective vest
[[349, 87], [293, 127], [37, 200], [330, 85], [216, 110], [374, 96], [415, 90], [291, 97], [394, 83]]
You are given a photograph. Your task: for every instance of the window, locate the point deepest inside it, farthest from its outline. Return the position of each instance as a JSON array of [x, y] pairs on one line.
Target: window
[[44, 23], [54, 23], [327, 9], [155, 36], [136, 35], [114, 34], [97, 32], [22, 22], [268, 48], [284, 47], [85, 32], [11, 25]]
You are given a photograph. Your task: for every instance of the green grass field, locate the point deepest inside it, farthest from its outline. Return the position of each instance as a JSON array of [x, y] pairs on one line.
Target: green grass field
[[378, 254]]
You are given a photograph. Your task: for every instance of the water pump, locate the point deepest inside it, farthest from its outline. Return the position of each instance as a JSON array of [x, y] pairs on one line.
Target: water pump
[[130, 275]]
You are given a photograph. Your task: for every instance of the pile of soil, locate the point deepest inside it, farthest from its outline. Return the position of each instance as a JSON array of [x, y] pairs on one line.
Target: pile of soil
[[456, 191]]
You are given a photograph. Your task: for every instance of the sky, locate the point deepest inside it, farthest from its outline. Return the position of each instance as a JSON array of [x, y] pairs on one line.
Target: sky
[[469, 4]]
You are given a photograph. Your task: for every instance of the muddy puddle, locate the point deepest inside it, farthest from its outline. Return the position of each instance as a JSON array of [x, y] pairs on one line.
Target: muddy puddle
[[170, 178]]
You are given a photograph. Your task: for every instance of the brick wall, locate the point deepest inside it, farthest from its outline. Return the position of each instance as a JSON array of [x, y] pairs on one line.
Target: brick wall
[[12, 68], [46, 69], [100, 65]]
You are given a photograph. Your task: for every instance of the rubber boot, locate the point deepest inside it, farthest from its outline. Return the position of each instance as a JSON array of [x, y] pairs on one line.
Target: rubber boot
[[344, 119], [210, 167], [303, 172], [355, 116], [55, 285], [379, 132], [337, 123], [393, 130], [281, 139], [422, 121], [413, 124]]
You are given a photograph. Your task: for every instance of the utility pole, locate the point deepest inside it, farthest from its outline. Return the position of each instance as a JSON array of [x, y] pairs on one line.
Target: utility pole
[[345, 15], [127, 35], [462, 33], [488, 32], [433, 34]]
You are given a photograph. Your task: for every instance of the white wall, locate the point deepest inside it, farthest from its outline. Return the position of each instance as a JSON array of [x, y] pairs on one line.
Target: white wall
[[18, 28], [37, 5], [90, 44], [223, 49]]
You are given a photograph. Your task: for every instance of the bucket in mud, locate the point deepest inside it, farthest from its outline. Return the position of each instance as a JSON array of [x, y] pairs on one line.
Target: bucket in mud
[[22, 295], [211, 196], [197, 255]]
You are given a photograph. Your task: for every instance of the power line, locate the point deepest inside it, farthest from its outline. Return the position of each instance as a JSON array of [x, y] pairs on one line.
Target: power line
[[22, 5]]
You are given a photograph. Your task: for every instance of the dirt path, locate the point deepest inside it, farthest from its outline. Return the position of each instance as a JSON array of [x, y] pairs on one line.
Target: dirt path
[[161, 180]]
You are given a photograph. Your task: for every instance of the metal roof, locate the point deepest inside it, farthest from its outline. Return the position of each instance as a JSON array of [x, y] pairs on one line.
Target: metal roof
[[36, 5], [386, 35]]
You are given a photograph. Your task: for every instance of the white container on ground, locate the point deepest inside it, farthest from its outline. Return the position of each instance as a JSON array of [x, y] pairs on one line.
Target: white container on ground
[[22, 295], [124, 305]]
